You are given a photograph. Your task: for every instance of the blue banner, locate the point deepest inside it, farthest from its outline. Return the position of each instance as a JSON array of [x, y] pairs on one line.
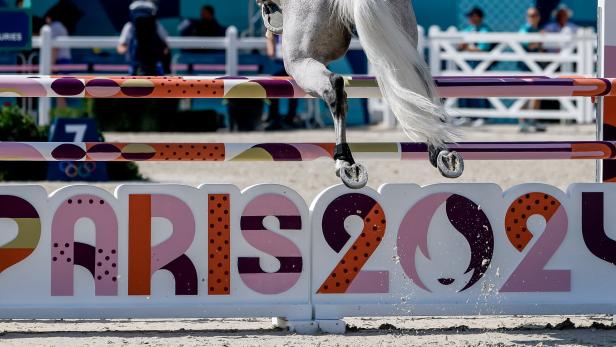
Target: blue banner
[[15, 29]]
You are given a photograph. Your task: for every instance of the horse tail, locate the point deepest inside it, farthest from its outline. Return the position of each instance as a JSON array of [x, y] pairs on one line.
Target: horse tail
[[401, 71]]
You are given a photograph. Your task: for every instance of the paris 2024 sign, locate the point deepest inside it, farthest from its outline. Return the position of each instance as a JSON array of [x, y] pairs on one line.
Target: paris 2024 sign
[[216, 251]]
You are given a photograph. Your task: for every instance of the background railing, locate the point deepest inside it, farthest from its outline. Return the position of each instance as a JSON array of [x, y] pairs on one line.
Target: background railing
[[565, 54], [561, 54], [231, 44]]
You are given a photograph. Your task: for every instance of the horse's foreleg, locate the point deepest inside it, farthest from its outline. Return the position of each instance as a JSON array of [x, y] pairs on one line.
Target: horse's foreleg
[[316, 79]]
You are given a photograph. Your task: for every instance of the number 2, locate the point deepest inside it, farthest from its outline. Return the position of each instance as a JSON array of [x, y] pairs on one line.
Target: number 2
[[347, 276]]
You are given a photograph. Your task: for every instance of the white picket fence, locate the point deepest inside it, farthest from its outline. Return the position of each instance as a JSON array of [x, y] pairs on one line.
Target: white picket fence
[[565, 54], [568, 54]]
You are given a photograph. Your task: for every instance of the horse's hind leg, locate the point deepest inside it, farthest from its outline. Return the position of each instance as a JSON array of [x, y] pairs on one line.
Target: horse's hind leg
[[317, 80], [353, 175]]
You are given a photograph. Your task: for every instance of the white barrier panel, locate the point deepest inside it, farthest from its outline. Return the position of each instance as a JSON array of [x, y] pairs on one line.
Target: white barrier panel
[[177, 251]]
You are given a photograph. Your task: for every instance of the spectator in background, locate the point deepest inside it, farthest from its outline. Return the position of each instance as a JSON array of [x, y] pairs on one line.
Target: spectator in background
[[59, 55], [23, 3], [533, 18], [562, 23], [68, 14], [475, 25], [562, 16], [207, 25], [275, 120], [144, 40]]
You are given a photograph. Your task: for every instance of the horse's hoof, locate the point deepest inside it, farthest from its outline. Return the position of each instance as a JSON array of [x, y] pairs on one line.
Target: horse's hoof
[[272, 17], [353, 176], [450, 164]]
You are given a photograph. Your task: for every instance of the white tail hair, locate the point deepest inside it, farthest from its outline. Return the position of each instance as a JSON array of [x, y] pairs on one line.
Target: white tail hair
[[401, 71]]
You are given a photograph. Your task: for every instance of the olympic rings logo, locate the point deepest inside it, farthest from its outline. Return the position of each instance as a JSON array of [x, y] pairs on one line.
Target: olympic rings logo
[[78, 169]]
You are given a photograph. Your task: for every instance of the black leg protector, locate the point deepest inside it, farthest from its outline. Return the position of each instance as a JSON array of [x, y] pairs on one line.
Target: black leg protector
[[343, 152]]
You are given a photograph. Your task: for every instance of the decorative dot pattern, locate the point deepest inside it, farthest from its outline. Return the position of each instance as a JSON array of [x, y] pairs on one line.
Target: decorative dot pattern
[[62, 252], [188, 88], [347, 269], [521, 210], [190, 152], [106, 264], [219, 244], [144, 87], [100, 259]]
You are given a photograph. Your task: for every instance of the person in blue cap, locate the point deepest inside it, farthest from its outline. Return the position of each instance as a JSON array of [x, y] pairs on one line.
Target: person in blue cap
[[476, 24]]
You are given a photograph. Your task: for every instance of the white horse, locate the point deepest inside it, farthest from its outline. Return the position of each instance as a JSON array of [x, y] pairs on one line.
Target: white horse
[[317, 32]]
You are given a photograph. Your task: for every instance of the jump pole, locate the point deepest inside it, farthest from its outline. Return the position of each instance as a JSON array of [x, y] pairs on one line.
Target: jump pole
[[276, 87], [606, 110], [296, 152], [225, 87]]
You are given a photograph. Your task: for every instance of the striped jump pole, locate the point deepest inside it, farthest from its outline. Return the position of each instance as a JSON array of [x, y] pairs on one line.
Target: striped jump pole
[[606, 111], [357, 87], [296, 152]]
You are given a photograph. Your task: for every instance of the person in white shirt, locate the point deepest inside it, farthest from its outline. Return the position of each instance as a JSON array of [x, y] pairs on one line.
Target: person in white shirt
[[59, 55], [562, 23]]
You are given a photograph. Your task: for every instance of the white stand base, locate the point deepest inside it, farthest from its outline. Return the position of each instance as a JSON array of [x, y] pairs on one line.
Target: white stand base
[[330, 326], [334, 326], [296, 326]]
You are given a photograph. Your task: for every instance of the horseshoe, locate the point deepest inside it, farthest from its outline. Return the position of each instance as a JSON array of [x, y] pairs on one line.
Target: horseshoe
[[272, 17]]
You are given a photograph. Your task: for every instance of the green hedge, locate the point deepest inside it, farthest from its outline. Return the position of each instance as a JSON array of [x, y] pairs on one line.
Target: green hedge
[[151, 115]]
